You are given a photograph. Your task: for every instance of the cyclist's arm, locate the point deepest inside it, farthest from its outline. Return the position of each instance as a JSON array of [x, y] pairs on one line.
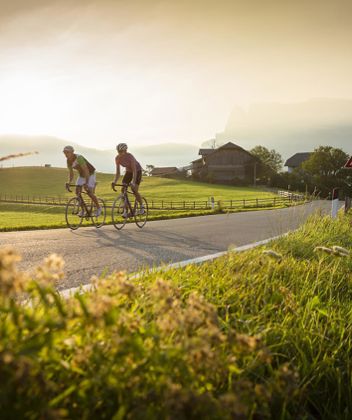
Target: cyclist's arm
[[70, 175], [85, 171], [117, 175]]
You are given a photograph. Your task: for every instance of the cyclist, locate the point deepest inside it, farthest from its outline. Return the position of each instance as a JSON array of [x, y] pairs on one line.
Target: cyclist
[[86, 177], [133, 173]]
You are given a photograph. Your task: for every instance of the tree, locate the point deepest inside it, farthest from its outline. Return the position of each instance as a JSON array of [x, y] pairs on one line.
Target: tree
[[324, 167], [148, 170], [325, 161], [269, 158]]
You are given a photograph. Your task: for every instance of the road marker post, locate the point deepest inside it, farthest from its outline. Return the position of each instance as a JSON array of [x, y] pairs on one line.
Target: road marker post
[[334, 202], [348, 182]]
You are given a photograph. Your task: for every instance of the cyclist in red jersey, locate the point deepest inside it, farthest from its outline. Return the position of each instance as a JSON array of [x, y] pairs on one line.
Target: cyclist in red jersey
[[133, 173]]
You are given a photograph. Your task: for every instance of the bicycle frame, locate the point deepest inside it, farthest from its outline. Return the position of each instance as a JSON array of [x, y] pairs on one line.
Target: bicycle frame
[[78, 208], [87, 210], [122, 208], [128, 206]]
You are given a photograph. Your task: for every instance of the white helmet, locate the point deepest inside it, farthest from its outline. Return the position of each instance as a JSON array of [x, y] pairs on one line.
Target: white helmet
[[68, 149], [121, 147]]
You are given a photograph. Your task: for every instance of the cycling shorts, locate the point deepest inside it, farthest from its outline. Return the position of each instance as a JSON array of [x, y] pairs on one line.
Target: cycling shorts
[[82, 180], [129, 176]]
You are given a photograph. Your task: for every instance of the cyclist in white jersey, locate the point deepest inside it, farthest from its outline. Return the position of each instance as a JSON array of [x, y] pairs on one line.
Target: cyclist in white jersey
[[86, 177]]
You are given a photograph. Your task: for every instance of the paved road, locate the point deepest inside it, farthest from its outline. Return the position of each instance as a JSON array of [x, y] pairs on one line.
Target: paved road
[[90, 251]]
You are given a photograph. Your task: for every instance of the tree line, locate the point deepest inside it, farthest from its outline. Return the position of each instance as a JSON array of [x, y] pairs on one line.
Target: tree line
[[319, 174]]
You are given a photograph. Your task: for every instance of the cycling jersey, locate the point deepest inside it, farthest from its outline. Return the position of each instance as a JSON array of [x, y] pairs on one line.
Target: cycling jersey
[[126, 161], [77, 163]]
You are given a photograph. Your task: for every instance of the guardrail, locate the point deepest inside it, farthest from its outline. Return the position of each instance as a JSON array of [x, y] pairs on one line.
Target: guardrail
[[168, 204]]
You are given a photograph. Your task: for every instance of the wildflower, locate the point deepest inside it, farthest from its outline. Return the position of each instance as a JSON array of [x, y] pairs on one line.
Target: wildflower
[[51, 270], [273, 254], [11, 280], [250, 342], [54, 262], [100, 306], [323, 249], [342, 252]]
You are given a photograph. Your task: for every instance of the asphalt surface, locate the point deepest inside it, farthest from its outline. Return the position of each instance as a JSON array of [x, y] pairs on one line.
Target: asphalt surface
[[90, 251]]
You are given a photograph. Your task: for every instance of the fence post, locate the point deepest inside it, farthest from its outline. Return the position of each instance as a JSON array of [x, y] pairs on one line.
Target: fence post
[[244, 203]]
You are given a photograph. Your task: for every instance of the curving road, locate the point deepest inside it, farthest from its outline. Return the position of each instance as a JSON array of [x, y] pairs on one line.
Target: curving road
[[90, 251]]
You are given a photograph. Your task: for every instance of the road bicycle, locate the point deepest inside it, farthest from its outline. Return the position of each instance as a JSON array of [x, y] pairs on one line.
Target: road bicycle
[[77, 209], [123, 208]]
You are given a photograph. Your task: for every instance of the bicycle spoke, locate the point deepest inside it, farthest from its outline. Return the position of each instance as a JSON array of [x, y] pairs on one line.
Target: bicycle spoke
[[73, 213], [141, 214], [118, 212], [98, 220]]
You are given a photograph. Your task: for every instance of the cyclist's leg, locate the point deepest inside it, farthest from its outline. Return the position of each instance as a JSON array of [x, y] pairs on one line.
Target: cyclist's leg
[[90, 192], [80, 181], [136, 188]]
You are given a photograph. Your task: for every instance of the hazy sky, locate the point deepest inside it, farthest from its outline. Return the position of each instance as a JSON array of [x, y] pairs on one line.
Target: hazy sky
[[99, 71]]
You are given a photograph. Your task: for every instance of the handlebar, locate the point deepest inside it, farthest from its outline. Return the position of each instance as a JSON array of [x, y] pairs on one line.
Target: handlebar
[[67, 186], [113, 185]]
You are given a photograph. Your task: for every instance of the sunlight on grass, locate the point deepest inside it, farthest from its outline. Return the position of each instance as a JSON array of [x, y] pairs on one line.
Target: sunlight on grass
[[260, 334]]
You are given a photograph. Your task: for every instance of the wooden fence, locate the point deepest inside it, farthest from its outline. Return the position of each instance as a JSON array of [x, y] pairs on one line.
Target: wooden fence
[[167, 204]]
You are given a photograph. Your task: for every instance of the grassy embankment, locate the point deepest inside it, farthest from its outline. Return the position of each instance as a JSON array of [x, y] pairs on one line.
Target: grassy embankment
[[29, 182], [251, 335]]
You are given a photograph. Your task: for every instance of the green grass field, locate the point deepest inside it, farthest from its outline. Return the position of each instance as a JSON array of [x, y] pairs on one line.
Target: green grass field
[[263, 334], [40, 181], [29, 182]]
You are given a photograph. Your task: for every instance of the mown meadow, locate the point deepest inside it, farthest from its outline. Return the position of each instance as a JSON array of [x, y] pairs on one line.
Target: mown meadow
[[261, 334], [28, 182]]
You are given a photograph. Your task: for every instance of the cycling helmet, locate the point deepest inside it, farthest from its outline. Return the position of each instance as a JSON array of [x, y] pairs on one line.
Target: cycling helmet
[[68, 149], [121, 147]]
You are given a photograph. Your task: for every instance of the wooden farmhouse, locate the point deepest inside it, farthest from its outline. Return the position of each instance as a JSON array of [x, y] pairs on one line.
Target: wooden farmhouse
[[167, 172], [227, 164]]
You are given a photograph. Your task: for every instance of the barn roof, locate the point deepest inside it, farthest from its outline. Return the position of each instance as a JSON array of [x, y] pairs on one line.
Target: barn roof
[[297, 159]]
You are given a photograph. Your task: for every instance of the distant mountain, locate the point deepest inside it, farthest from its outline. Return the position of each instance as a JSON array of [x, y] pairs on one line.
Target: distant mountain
[[291, 128], [50, 152]]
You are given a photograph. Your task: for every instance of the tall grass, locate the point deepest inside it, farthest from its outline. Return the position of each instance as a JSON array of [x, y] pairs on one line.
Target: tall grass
[[262, 334]]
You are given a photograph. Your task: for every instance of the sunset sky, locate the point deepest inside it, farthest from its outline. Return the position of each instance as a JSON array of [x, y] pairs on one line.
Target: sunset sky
[[154, 71]]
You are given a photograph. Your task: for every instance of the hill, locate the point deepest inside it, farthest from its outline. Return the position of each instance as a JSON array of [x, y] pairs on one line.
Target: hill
[[50, 152], [291, 128]]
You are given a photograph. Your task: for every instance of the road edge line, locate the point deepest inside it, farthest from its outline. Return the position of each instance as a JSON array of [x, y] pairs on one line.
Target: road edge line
[[66, 293]]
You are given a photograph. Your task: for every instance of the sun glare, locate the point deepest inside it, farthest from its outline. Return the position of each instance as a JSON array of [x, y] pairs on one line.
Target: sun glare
[[27, 105]]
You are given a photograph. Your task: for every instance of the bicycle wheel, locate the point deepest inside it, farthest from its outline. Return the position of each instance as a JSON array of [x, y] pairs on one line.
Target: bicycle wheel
[[140, 217], [98, 221], [73, 213], [117, 211]]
